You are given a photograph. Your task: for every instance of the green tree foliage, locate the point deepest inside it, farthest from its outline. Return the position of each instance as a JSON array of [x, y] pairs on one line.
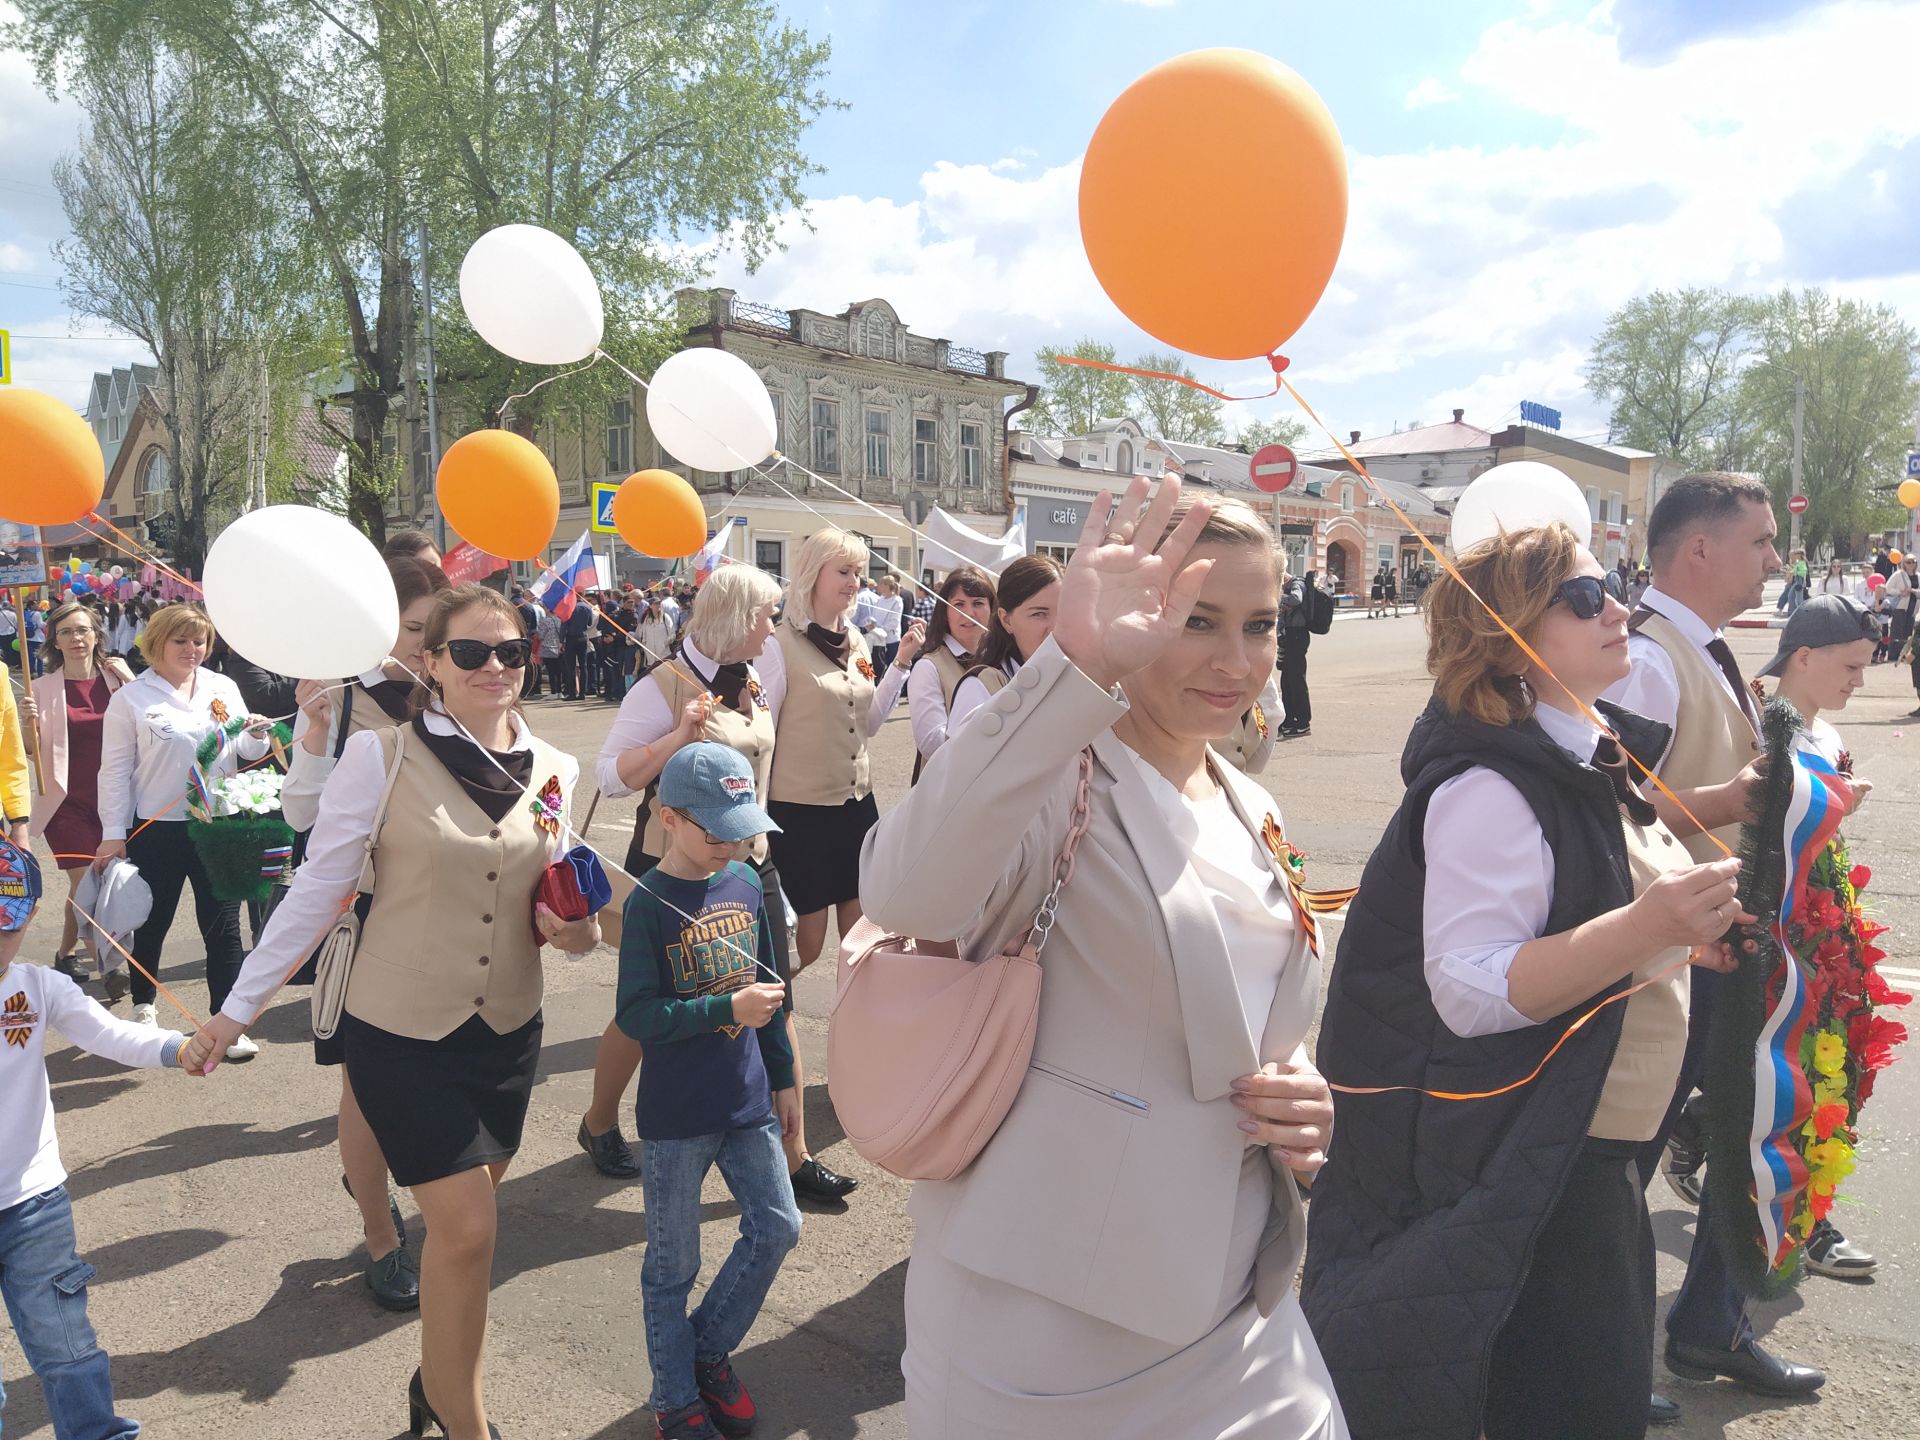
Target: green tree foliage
[[1274, 430], [1857, 363], [1073, 398], [1669, 365], [624, 125], [1171, 410]]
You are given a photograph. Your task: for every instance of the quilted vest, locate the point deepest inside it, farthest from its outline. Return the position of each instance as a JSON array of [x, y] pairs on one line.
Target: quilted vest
[[822, 755], [1426, 1212]]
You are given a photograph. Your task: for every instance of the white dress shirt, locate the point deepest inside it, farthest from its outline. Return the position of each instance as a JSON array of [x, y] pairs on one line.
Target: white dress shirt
[[1836, 585], [306, 772], [644, 719], [970, 695], [883, 614], [772, 667], [1652, 686], [1489, 885], [147, 745], [927, 698], [336, 853]]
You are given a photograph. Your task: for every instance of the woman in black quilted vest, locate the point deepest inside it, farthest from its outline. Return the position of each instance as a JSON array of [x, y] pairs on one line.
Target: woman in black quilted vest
[[1480, 1260]]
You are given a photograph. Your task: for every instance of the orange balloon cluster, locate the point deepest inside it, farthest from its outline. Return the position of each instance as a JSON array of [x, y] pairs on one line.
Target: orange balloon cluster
[[1250, 136], [51, 468], [499, 492], [659, 514]]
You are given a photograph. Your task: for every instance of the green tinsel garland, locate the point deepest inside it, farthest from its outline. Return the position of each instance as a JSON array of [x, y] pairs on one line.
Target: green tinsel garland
[[1740, 1011]]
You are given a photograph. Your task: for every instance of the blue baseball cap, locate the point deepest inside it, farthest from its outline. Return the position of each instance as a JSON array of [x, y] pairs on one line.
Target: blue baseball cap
[[714, 784]]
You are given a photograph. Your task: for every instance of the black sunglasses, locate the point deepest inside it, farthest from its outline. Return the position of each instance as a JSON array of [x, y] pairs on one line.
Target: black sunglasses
[[472, 654], [1584, 595]]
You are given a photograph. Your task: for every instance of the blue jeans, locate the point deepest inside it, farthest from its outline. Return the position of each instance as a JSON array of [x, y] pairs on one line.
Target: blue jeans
[[755, 1169], [45, 1286]]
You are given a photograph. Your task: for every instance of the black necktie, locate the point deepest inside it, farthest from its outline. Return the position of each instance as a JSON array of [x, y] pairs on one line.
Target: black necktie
[[1722, 655], [1609, 761]]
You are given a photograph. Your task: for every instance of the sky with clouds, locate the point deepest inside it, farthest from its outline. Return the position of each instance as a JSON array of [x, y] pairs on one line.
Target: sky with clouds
[[1518, 168]]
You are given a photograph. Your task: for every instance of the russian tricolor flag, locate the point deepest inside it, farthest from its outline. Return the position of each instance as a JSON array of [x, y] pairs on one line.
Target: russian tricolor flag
[[562, 581]]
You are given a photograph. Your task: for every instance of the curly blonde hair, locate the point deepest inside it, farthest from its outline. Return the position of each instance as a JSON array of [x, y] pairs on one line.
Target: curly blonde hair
[[1476, 666]]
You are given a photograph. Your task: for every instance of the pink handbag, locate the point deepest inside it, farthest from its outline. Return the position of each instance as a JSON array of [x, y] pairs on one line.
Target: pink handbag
[[925, 1050]]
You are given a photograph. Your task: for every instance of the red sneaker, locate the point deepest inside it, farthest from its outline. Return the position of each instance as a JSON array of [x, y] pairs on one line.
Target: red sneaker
[[728, 1403], [690, 1422]]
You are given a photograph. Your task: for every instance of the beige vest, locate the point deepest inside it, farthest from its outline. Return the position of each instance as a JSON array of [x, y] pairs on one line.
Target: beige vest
[[1245, 738], [751, 734], [951, 669], [822, 755], [1653, 1032], [366, 713], [450, 933], [1713, 740]]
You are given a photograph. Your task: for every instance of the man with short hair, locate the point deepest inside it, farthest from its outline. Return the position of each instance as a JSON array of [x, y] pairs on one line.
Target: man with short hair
[[1712, 543]]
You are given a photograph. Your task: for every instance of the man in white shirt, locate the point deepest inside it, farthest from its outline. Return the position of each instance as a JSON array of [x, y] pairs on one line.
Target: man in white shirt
[[1712, 543]]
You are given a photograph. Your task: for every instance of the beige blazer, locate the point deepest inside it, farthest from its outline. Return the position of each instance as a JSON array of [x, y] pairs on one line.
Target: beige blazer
[[1110, 1187], [50, 694]]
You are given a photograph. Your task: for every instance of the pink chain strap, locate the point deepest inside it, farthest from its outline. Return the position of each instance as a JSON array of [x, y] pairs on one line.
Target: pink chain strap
[[1082, 817]]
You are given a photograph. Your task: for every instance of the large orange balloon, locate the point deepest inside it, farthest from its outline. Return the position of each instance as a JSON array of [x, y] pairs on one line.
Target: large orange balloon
[[1910, 493], [1250, 156], [51, 469], [659, 514], [498, 491]]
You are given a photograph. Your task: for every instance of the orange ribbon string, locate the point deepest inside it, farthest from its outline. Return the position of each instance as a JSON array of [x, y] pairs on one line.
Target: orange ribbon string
[[1278, 362]]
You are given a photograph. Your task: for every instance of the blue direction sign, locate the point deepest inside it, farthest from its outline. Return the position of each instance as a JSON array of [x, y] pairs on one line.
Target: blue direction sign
[[1913, 464], [603, 493]]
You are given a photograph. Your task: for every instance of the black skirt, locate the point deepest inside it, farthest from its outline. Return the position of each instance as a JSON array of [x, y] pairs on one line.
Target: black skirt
[[438, 1107], [639, 863], [818, 850]]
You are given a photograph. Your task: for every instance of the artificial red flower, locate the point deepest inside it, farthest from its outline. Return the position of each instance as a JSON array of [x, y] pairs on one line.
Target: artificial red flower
[[1882, 1035], [1866, 1085], [1828, 1118], [1820, 1204], [1858, 877], [1881, 993]]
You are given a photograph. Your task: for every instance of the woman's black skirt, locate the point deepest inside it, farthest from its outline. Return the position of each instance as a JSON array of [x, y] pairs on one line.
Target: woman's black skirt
[[817, 850], [438, 1107]]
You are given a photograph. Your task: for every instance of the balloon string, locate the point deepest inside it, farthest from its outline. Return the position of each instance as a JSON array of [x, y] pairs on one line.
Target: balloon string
[[1535, 1074], [131, 547], [1277, 360]]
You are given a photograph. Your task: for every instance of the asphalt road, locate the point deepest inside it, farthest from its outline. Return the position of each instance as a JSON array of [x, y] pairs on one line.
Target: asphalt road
[[229, 1288]]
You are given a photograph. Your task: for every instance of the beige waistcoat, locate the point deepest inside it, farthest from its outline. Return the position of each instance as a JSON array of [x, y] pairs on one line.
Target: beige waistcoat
[[751, 734], [1653, 1032], [450, 933], [1246, 736], [822, 755], [1713, 740]]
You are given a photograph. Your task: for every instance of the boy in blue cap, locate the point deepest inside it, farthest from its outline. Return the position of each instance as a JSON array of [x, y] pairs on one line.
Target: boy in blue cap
[[698, 984]]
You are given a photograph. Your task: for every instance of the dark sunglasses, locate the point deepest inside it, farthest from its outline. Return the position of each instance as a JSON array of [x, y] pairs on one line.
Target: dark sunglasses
[[1585, 596], [472, 654]]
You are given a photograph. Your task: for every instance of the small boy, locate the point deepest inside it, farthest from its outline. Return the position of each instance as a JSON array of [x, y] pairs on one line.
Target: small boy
[[42, 1277], [1823, 657], [698, 984]]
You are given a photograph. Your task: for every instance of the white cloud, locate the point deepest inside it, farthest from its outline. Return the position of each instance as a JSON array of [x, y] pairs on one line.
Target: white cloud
[[1428, 92]]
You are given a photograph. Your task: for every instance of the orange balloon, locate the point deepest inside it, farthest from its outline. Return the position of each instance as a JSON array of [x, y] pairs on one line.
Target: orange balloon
[[51, 468], [1910, 493], [1251, 141], [1896, 557], [659, 514], [498, 491]]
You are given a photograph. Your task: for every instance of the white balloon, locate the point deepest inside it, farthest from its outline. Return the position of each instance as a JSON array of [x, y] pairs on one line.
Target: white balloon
[[528, 294], [300, 592], [710, 411], [1518, 495]]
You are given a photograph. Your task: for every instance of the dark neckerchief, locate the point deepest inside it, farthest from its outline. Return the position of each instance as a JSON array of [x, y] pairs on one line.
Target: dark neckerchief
[[835, 645], [1610, 762], [728, 682], [393, 697], [495, 792]]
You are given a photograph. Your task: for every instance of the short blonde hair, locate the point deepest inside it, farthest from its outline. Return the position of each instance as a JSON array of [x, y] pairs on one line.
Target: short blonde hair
[[170, 622], [1476, 666], [724, 608], [819, 550], [1230, 522]]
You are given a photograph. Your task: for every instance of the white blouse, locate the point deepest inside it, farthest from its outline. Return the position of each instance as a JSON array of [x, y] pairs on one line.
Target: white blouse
[[644, 719], [336, 854], [772, 668], [306, 772], [147, 745], [927, 699]]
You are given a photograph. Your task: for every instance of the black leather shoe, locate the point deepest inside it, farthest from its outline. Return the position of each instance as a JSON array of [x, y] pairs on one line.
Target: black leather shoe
[[393, 1209], [1748, 1365], [611, 1155], [1662, 1411], [394, 1280], [814, 1181]]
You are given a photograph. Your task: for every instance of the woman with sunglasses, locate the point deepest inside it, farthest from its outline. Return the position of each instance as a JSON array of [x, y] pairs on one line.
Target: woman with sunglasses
[[442, 1022], [66, 709], [1493, 1255]]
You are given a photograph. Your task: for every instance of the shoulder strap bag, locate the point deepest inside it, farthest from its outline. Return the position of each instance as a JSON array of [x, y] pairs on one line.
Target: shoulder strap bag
[[926, 1050], [333, 961]]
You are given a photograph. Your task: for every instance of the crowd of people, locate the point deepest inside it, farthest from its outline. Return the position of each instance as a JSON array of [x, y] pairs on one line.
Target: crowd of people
[[1119, 1259]]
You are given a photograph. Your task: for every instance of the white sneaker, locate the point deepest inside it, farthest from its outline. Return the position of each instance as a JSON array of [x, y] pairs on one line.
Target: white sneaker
[[242, 1049], [144, 1015]]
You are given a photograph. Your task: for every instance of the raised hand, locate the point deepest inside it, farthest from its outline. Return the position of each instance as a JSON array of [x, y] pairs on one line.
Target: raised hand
[[1126, 595], [910, 644], [315, 699]]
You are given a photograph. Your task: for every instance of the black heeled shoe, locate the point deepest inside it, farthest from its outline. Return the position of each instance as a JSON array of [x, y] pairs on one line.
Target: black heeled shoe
[[420, 1413]]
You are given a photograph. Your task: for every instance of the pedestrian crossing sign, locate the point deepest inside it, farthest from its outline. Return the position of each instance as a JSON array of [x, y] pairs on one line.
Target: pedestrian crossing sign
[[602, 522], [6, 358]]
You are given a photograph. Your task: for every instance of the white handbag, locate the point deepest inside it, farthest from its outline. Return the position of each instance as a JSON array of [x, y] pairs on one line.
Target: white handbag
[[333, 961]]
